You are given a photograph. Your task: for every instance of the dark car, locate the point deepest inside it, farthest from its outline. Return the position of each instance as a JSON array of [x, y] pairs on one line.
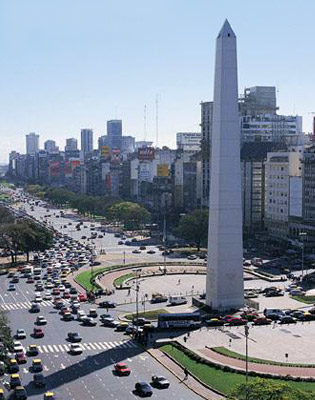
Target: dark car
[[160, 382], [20, 393], [107, 304], [158, 299], [287, 319], [34, 308], [74, 337], [143, 389], [39, 380]]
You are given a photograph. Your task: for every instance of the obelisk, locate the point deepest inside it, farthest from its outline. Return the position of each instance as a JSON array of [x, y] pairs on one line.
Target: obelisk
[[225, 287]]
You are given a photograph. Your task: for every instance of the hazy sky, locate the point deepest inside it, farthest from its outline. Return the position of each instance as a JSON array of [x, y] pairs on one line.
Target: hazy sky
[[71, 64]]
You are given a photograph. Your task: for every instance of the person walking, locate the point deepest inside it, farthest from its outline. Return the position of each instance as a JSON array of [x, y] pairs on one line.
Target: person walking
[[186, 374]]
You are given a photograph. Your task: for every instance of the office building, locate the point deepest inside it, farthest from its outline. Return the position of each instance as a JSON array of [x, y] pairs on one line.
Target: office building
[[114, 133], [71, 144], [86, 141], [50, 146], [32, 143]]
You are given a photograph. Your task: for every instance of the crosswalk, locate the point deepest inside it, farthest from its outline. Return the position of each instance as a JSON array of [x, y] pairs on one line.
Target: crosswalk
[[95, 346], [25, 305]]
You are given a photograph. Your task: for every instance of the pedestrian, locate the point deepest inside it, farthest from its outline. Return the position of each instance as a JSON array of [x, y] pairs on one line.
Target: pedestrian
[[186, 374], [188, 334], [185, 339]]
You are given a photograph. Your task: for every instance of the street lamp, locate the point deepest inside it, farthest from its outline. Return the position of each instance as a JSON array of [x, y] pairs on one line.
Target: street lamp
[[246, 327], [137, 272], [302, 235]]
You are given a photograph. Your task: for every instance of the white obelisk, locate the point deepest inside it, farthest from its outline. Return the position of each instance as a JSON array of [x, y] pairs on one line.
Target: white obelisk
[[225, 287]]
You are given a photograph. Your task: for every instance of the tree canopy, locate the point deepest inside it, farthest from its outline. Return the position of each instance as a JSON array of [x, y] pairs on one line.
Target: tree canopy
[[194, 227], [263, 389], [132, 215]]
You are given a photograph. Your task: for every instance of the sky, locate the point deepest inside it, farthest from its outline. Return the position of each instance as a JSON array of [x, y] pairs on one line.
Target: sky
[[72, 64]]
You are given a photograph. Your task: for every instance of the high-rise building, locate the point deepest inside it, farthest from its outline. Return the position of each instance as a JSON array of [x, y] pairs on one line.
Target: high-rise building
[[32, 143], [190, 141], [103, 141], [206, 133], [128, 144], [86, 140], [50, 146], [225, 286], [258, 100], [71, 144], [114, 133]]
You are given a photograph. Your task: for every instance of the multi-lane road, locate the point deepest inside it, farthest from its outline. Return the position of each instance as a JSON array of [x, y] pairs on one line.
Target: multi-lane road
[[89, 375]]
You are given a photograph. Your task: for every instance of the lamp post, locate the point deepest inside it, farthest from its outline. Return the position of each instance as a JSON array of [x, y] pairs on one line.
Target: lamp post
[[246, 353], [302, 235], [124, 257]]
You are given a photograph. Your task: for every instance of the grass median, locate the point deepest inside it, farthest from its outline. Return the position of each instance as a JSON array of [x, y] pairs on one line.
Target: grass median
[[223, 381], [85, 277], [151, 314], [121, 279], [304, 299]]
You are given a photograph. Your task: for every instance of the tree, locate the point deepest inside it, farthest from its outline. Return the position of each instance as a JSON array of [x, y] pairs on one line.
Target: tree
[[59, 196], [5, 216], [132, 215], [194, 227], [5, 335], [263, 389]]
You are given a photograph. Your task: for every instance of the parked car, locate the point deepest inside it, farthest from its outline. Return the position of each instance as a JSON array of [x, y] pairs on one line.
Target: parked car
[[143, 389], [74, 337]]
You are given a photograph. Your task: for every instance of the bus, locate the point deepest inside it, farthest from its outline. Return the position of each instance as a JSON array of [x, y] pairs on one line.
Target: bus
[[179, 320]]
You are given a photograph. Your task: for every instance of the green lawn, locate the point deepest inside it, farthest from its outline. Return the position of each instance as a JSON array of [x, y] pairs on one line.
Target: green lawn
[[305, 299], [218, 379], [84, 277], [152, 314], [233, 354], [122, 279]]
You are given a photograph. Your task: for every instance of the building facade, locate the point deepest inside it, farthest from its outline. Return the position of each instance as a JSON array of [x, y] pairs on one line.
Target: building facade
[[32, 143]]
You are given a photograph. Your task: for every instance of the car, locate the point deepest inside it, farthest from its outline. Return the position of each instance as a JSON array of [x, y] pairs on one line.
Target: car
[[151, 251], [120, 242], [136, 251], [92, 313], [121, 369], [38, 333], [74, 337], [39, 380], [20, 334], [87, 321], [235, 321], [75, 348], [34, 308], [110, 322], [41, 320], [82, 297], [192, 257], [143, 389], [21, 358], [262, 321], [160, 382], [122, 326], [15, 279], [32, 350], [107, 304], [49, 396], [66, 295], [30, 280], [47, 296], [20, 393], [80, 314], [37, 365], [11, 287], [214, 322], [159, 299], [13, 366], [17, 347], [67, 316], [15, 380], [287, 319]]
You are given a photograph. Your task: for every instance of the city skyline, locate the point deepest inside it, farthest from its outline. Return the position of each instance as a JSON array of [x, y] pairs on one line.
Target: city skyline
[[57, 81]]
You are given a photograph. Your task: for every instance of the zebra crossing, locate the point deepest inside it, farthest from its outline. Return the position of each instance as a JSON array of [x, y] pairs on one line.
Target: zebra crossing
[[23, 305], [95, 346]]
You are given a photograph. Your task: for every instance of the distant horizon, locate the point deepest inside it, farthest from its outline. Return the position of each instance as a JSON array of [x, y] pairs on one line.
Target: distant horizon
[[88, 64]]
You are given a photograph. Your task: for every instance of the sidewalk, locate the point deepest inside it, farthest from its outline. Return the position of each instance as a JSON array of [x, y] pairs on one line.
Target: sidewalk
[[302, 372], [191, 382]]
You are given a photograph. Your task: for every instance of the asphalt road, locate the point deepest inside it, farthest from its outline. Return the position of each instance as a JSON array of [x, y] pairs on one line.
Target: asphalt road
[[89, 375]]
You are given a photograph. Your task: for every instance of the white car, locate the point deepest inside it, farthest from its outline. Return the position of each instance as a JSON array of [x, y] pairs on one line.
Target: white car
[[75, 348], [41, 320], [49, 285], [47, 296], [20, 334], [81, 314], [38, 299], [61, 288], [17, 347]]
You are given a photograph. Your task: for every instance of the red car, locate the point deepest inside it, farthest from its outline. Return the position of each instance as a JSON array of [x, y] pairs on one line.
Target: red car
[[237, 321], [38, 333], [21, 358], [56, 292], [65, 310], [30, 280], [66, 295], [122, 369], [82, 297]]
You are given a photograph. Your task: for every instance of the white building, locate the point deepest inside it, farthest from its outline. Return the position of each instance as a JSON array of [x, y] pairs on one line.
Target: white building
[[32, 143], [283, 190], [188, 141]]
